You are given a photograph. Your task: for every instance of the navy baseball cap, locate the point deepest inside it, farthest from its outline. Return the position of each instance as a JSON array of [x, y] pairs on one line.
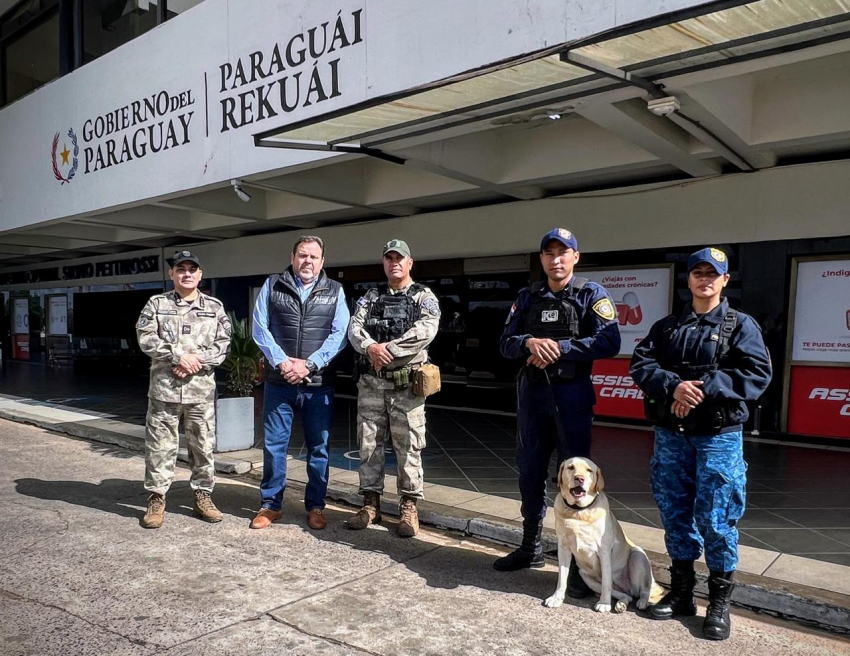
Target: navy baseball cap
[[567, 238], [184, 256], [713, 256]]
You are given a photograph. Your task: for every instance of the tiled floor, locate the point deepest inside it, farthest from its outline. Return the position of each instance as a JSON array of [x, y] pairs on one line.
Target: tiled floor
[[798, 498]]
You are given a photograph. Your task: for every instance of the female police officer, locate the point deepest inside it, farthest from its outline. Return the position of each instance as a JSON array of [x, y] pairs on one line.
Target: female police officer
[[697, 370]]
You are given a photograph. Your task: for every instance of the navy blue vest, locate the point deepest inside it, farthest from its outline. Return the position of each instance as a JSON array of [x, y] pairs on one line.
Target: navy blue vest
[[299, 328]]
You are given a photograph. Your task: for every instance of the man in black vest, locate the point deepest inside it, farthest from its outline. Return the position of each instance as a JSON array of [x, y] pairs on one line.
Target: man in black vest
[[300, 324], [559, 326]]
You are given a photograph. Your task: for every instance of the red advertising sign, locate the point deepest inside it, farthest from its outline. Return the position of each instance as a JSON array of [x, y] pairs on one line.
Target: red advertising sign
[[21, 347], [616, 393], [819, 401]]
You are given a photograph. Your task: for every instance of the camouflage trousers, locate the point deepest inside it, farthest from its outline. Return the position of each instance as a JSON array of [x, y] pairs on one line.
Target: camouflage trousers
[[163, 440], [399, 415], [699, 484]]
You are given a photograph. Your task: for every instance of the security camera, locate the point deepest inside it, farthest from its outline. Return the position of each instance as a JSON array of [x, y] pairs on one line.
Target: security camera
[[243, 195], [664, 106]]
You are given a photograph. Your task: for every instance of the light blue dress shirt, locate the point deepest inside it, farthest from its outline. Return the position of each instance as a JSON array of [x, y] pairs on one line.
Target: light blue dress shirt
[[275, 355]]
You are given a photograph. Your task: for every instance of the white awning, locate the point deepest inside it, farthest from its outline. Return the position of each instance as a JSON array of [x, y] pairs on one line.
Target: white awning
[[545, 79]]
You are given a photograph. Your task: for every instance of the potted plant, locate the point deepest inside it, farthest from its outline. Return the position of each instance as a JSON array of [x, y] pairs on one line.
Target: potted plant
[[234, 408]]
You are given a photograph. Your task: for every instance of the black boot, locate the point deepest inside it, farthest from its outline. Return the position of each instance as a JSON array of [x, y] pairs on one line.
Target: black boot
[[680, 600], [530, 553], [717, 623], [576, 587]]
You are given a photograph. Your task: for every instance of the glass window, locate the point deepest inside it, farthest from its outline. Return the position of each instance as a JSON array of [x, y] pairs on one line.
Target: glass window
[[108, 24], [32, 59]]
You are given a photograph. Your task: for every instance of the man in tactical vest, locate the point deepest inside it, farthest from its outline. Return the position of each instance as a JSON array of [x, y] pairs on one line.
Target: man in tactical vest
[[698, 369], [391, 329], [187, 335], [300, 320], [559, 327]]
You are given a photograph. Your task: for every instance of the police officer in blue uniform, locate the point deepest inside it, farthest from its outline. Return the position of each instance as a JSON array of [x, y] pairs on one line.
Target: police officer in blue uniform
[[698, 369], [559, 327]]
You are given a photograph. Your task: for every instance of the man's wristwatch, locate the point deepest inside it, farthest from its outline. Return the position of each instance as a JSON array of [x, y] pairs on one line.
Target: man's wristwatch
[[312, 367]]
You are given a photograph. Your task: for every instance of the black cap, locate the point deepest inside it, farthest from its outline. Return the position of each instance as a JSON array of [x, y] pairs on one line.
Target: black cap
[[183, 256]]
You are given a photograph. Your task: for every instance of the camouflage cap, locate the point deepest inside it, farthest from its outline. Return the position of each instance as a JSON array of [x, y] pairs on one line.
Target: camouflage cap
[[398, 246]]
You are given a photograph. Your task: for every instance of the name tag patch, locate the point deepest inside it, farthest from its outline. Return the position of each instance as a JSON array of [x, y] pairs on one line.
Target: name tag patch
[[549, 316], [206, 314]]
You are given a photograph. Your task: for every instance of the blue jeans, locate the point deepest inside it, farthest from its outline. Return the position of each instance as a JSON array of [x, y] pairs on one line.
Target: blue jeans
[[699, 483], [280, 401], [538, 435]]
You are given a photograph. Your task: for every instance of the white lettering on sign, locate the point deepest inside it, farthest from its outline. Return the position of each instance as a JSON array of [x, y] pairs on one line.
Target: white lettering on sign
[[617, 387], [826, 394]]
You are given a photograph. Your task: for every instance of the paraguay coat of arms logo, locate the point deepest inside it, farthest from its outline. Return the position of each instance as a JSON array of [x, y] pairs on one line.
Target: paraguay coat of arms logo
[[65, 161]]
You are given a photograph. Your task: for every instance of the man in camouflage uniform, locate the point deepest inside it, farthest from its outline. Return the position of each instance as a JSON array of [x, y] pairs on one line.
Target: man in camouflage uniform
[[391, 329], [186, 334]]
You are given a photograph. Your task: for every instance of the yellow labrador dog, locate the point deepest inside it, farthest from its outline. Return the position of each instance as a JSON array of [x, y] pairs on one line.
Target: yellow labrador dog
[[608, 561]]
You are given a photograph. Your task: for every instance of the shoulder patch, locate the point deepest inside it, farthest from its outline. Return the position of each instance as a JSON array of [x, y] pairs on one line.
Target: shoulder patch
[[431, 306], [511, 314], [363, 301], [605, 309]]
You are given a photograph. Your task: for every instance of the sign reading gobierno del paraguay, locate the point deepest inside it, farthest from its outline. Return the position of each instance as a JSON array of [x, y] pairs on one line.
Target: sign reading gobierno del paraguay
[[300, 70]]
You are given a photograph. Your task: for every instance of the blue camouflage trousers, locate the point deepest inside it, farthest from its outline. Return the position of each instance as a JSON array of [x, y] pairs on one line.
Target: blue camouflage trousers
[[699, 483]]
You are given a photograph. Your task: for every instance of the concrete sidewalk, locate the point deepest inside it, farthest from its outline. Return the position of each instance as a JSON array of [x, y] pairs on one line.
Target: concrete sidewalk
[[78, 576], [787, 585]]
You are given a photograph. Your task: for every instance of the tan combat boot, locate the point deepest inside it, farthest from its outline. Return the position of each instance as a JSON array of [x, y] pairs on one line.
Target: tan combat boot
[[205, 508], [155, 512], [408, 523], [370, 513]]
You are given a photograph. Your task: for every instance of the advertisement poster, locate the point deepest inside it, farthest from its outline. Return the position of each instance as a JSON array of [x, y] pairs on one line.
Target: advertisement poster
[[616, 392], [822, 312], [819, 401], [641, 297], [58, 312], [21, 317]]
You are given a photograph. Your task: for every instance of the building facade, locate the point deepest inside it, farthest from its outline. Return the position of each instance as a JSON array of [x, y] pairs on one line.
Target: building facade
[[647, 128]]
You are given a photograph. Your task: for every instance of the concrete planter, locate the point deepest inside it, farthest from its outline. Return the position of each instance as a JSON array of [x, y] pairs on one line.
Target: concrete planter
[[234, 424]]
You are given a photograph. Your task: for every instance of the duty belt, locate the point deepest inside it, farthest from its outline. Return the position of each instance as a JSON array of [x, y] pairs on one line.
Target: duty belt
[[401, 377], [390, 374]]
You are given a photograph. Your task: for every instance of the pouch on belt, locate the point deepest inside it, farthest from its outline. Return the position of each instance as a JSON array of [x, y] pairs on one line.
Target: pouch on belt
[[426, 380]]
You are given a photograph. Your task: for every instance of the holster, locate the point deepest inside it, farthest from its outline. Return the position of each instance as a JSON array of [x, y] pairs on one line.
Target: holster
[[656, 410], [361, 366]]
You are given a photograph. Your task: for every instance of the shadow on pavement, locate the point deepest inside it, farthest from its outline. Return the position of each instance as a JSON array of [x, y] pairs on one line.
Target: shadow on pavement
[[127, 498], [442, 566]]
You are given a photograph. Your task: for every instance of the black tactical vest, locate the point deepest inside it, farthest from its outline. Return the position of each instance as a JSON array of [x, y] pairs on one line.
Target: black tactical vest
[[392, 315], [299, 328], [710, 416], [558, 318]]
